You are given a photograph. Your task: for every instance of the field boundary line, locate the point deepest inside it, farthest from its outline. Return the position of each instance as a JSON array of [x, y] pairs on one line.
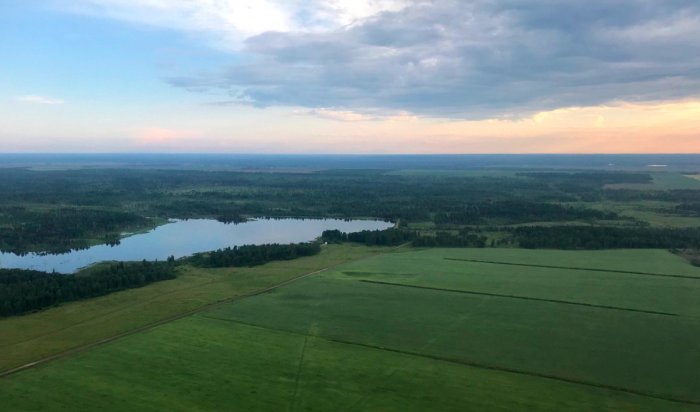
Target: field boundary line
[[625, 272], [527, 373], [293, 405], [498, 295], [473, 364], [355, 406]]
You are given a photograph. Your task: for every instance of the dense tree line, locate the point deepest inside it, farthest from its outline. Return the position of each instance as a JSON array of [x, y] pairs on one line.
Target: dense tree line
[[592, 237], [25, 290], [394, 237], [689, 209], [387, 237], [447, 239], [517, 211], [692, 255], [253, 255], [679, 195], [62, 229]]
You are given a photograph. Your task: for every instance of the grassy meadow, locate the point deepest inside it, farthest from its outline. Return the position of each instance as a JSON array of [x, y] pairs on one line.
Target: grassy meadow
[[662, 181], [654, 213], [435, 329]]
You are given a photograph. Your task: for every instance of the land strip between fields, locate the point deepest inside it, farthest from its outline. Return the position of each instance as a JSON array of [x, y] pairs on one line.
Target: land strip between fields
[[498, 295], [107, 314], [473, 364], [625, 272]]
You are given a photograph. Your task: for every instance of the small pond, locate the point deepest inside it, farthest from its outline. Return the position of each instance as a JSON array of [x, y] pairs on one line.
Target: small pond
[[186, 237]]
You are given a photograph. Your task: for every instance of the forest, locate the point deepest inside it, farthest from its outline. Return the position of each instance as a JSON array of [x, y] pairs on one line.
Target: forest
[[517, 211], [388, 237], [590, 237], [69, 209], [64, 228], [395, 237], [465, 238], [253, 255]]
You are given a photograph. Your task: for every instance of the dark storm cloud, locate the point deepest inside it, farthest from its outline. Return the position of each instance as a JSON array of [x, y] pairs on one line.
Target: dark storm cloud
[[479, 58]]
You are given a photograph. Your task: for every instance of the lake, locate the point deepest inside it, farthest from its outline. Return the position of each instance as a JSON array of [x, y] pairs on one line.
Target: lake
[[181, 238]]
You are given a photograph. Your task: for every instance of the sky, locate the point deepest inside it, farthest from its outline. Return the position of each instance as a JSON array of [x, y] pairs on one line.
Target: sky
[[350, 76]]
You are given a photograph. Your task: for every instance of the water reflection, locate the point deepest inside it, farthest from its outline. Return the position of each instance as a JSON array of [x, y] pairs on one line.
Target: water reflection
[[186, 237]]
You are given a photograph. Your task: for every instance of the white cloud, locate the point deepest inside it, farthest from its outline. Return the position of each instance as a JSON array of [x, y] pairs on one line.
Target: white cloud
[[39, 100], [447, 58], [477, 59], [351, 116], [230, 22], [338, 115], [340, 13]]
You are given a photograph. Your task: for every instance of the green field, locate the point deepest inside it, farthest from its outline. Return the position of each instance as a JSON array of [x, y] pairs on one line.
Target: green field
[[30, 337], [438, 329]]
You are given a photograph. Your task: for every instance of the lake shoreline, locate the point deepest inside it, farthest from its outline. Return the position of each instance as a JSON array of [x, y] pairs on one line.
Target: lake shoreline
[[185, 237]]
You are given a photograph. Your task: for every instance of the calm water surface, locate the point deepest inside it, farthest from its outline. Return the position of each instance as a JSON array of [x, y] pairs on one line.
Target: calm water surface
[[186, 237]]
